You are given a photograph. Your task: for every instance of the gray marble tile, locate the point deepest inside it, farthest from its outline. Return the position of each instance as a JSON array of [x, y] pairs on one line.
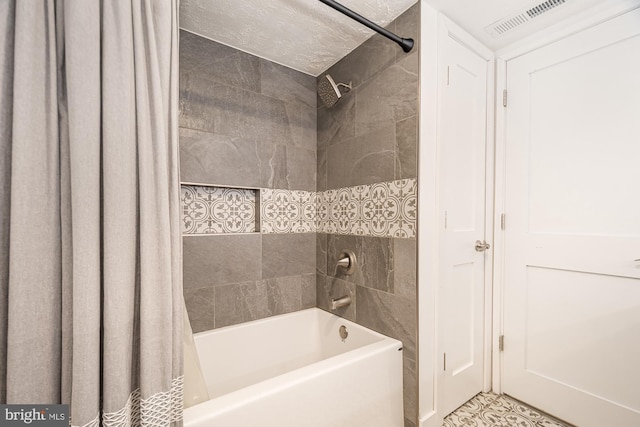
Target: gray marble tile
[[410, 387], [321, 253], [284, 294], [337, 123], [330, 287], [321, 171], [365, 61], [409, 423], [365, 159], [288, 294], [287, 84], [288, 254], [407, 26], [227, 110], [389, 97], [272, 166], [301, 169], [303, 126], [240, 302], [199, 106], [407, 148], [390, 315], [375, 260], [200, 307], [404, 267], [209, 158], [309, 298], [200, 57], [217, 260], [262, 118]]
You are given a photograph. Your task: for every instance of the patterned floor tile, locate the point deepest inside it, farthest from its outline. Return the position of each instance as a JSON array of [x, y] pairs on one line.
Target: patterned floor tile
[[551, 423], [492, 410], [460, 417], [480, 401], [502, 404]]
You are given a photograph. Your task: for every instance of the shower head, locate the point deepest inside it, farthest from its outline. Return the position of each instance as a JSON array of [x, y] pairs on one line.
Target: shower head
[[329, 91]]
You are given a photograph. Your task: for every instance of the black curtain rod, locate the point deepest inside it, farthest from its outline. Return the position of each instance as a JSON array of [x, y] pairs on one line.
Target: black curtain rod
[[406, 44]]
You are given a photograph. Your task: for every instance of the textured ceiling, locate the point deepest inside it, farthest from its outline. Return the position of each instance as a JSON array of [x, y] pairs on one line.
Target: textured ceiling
[[474, 16], [305, 35], [309, 36]]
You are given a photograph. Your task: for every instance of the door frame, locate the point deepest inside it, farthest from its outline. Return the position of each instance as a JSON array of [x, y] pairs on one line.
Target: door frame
[[558, 32], [436, 27]]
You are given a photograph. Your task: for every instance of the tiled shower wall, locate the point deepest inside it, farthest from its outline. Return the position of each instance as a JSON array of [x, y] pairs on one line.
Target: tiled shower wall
[[369, 137], [249, 123]]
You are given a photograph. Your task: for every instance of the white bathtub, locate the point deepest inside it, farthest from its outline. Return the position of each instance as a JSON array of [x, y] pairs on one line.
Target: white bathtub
[[294, 370]]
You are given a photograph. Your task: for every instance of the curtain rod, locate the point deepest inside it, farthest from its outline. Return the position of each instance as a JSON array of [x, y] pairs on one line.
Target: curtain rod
[[406, 44]]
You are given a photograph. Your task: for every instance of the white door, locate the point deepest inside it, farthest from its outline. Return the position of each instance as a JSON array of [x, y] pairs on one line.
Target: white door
[[572, 238], [462, 144]]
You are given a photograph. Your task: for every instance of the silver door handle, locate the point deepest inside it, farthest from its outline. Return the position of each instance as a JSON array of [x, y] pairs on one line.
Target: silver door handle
[[636, 260], [482, 246]]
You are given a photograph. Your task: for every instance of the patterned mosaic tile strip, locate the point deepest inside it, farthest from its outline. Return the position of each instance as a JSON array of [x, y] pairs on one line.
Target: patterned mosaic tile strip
[[214, 210], [386, 209], [285, 211], [491, 410]]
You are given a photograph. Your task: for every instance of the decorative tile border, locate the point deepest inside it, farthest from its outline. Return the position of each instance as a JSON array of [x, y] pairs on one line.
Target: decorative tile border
[[386, 209], [214, 210], [285, 211]]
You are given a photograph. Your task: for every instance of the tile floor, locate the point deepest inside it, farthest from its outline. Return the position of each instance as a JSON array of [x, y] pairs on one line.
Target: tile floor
[[492, 410]]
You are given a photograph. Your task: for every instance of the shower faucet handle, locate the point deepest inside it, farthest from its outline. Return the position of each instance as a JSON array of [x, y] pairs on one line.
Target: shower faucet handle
[[346, 262]]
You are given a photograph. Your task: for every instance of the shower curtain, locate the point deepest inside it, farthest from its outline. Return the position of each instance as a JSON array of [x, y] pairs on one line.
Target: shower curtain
[[90, 274]]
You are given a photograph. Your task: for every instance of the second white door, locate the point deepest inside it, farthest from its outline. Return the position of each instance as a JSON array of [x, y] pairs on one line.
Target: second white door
[[462, 144], [572, 238]]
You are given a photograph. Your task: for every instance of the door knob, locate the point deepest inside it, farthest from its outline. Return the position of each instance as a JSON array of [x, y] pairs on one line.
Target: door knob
[[482, 246]]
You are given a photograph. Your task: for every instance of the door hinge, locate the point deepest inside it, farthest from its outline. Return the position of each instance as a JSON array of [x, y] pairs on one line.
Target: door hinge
[[448, 67], [502, 221], [501, 343], [446, 220], [445, 361], [504, 98]]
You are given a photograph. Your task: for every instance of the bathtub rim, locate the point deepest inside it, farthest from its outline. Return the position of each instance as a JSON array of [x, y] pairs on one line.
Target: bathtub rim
[[237, 398], [266, 320]]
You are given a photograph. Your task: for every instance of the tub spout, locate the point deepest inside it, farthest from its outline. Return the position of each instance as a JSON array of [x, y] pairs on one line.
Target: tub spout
[[340, 302]]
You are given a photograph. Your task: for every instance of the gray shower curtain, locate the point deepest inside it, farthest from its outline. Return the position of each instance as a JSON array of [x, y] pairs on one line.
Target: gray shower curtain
[[90, 274]]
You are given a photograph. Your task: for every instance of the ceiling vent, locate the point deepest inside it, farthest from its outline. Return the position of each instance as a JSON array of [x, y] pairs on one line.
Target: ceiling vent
[[511, 22]]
